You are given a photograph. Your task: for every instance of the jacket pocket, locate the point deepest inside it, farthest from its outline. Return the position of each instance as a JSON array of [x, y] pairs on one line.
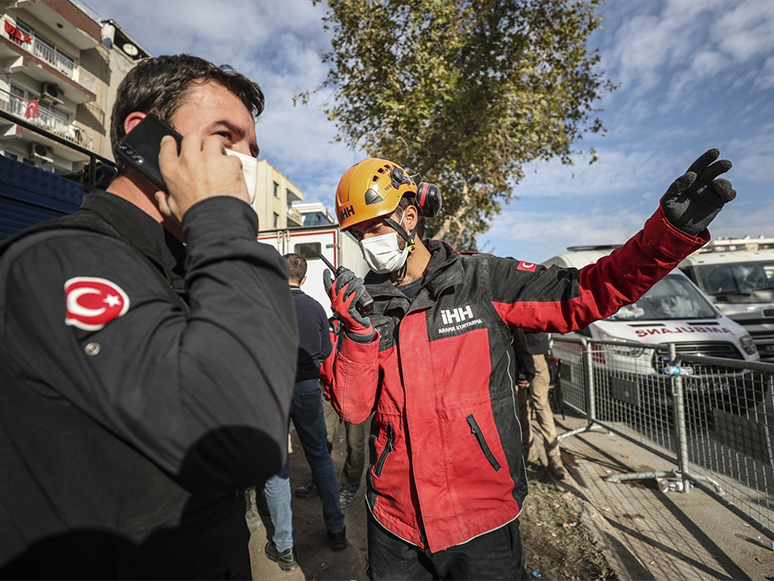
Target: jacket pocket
[[385, 452], [476, 431]]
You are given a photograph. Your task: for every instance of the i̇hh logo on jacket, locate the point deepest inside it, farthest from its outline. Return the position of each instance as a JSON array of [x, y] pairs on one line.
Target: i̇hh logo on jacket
[[458, 320], [457, 315]]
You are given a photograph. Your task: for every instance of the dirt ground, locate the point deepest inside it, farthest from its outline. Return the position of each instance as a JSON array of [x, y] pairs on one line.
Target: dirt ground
[[557, 545]]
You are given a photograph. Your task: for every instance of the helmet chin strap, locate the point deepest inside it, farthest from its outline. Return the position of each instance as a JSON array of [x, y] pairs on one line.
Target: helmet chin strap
[[409, 238]]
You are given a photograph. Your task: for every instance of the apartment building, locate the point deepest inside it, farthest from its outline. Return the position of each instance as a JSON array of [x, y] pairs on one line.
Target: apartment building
[[60, 66], [314, 214], [123, 54], [275, 194], [54, 73]]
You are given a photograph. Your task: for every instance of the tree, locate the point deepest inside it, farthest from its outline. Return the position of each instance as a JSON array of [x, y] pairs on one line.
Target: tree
[[463, 92]]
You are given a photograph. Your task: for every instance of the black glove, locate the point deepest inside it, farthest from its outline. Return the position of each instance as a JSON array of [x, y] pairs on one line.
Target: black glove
[[695, 198], [344, 299]]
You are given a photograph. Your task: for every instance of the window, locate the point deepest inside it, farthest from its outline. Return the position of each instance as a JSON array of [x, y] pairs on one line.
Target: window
[[673, 297], [55, 110], [18, 101], [276, 190], [316, 219], [276, 219], [309, 250]]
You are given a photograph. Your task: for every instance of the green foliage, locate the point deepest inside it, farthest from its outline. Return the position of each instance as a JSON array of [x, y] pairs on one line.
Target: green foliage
[[464, 92]]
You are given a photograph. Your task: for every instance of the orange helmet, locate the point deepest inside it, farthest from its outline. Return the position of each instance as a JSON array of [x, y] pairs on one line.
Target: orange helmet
[[369, 189]]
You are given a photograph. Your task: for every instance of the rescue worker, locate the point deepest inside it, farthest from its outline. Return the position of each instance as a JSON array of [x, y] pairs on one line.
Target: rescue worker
[[433, 360], [144, 381]]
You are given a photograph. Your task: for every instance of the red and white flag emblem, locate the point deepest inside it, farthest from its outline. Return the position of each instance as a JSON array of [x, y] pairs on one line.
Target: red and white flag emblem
[[93, 302], [528, 266]]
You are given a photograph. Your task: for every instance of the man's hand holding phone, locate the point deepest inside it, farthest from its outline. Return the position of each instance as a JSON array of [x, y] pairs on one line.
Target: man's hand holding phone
[[201, 170]]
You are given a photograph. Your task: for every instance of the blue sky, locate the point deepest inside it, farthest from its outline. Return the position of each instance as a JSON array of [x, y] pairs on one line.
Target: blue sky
[[693, 74]]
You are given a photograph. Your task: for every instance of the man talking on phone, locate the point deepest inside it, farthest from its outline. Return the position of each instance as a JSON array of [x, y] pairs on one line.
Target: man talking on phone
[[147, 352]]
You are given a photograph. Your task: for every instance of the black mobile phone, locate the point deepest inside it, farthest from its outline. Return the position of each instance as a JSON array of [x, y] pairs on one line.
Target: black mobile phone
[[140, 148]]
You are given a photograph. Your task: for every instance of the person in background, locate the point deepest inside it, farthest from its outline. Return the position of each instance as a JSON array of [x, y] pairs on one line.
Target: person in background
[[539, 387], [356, 435], [306, 411], [147, 352]]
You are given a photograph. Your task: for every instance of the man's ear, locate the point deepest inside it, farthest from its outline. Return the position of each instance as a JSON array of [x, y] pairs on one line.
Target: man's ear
[[133, 119], [410, 218], [303, 280]]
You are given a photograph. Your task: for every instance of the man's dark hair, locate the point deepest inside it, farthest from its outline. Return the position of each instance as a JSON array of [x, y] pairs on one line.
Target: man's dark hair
[[160, 85], [297, 266]]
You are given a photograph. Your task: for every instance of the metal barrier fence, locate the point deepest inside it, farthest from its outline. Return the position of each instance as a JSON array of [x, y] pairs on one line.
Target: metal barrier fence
[[711, 417]]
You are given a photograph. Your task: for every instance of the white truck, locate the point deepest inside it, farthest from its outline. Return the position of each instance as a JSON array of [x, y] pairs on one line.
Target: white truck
[[673, 311], [337, 246], [740, 281]]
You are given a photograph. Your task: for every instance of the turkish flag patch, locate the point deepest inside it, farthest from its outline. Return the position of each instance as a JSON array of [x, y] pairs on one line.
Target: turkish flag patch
[[92, 303], [528, 266]]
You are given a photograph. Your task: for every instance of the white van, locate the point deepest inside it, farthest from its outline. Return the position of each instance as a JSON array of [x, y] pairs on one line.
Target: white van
[[673, 311], [741, 284]]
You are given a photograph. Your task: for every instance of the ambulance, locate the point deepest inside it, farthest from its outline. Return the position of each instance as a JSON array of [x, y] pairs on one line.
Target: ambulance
[[738, 277], [675, 311]]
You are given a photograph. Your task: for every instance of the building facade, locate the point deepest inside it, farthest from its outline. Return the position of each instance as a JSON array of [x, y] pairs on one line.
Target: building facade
[[60, 66], [275, 194], [54, 73], [123, 53]]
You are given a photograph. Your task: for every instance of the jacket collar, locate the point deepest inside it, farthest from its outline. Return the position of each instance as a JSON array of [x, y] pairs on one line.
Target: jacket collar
[[141, 231], [443, 271]]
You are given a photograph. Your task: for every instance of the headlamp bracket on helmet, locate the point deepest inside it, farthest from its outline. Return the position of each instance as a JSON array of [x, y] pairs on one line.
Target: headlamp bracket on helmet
[[428, 196], [399, 178]]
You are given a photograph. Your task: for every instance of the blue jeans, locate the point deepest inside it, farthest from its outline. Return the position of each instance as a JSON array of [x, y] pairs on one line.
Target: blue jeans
[[278, 497], [308, 417]]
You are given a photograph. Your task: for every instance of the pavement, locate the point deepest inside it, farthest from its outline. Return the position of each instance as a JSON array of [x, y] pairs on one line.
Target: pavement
[[644, 534], [648, 534]]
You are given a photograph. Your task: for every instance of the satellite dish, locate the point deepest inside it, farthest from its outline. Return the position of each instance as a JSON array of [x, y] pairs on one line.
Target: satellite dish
[[130, 49]]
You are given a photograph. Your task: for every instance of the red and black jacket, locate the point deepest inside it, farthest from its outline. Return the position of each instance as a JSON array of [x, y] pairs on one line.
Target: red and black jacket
[[446, 461]]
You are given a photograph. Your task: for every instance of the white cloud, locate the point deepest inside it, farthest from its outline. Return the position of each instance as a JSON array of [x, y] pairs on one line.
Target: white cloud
[[765, 80], [537, 236], [617, 172], [745, 29], [694, 75]]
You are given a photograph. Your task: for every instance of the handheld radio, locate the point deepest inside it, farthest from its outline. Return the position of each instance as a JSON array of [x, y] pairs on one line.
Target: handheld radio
[[365, 304]]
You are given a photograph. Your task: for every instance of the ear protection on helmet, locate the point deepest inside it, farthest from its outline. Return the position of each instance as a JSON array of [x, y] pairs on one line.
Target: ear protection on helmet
[[428, 199]]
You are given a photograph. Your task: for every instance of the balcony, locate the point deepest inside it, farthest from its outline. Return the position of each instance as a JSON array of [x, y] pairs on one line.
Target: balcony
[[295, 218], [26, 39], [64, 65], [45, 119]]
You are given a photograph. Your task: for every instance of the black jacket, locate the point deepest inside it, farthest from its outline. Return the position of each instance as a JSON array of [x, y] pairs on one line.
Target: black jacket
[[314, 337], [128, 422]]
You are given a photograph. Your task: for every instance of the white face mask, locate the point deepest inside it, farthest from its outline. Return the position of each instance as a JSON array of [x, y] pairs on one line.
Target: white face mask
[[249, 171], [383, 254]]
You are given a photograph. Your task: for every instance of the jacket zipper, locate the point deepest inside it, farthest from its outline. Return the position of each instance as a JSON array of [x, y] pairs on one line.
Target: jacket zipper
[[476, 431], [387, 450]]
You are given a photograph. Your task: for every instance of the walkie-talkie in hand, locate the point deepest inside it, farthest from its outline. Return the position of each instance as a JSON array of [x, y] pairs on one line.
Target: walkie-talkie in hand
[[364, 304]]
